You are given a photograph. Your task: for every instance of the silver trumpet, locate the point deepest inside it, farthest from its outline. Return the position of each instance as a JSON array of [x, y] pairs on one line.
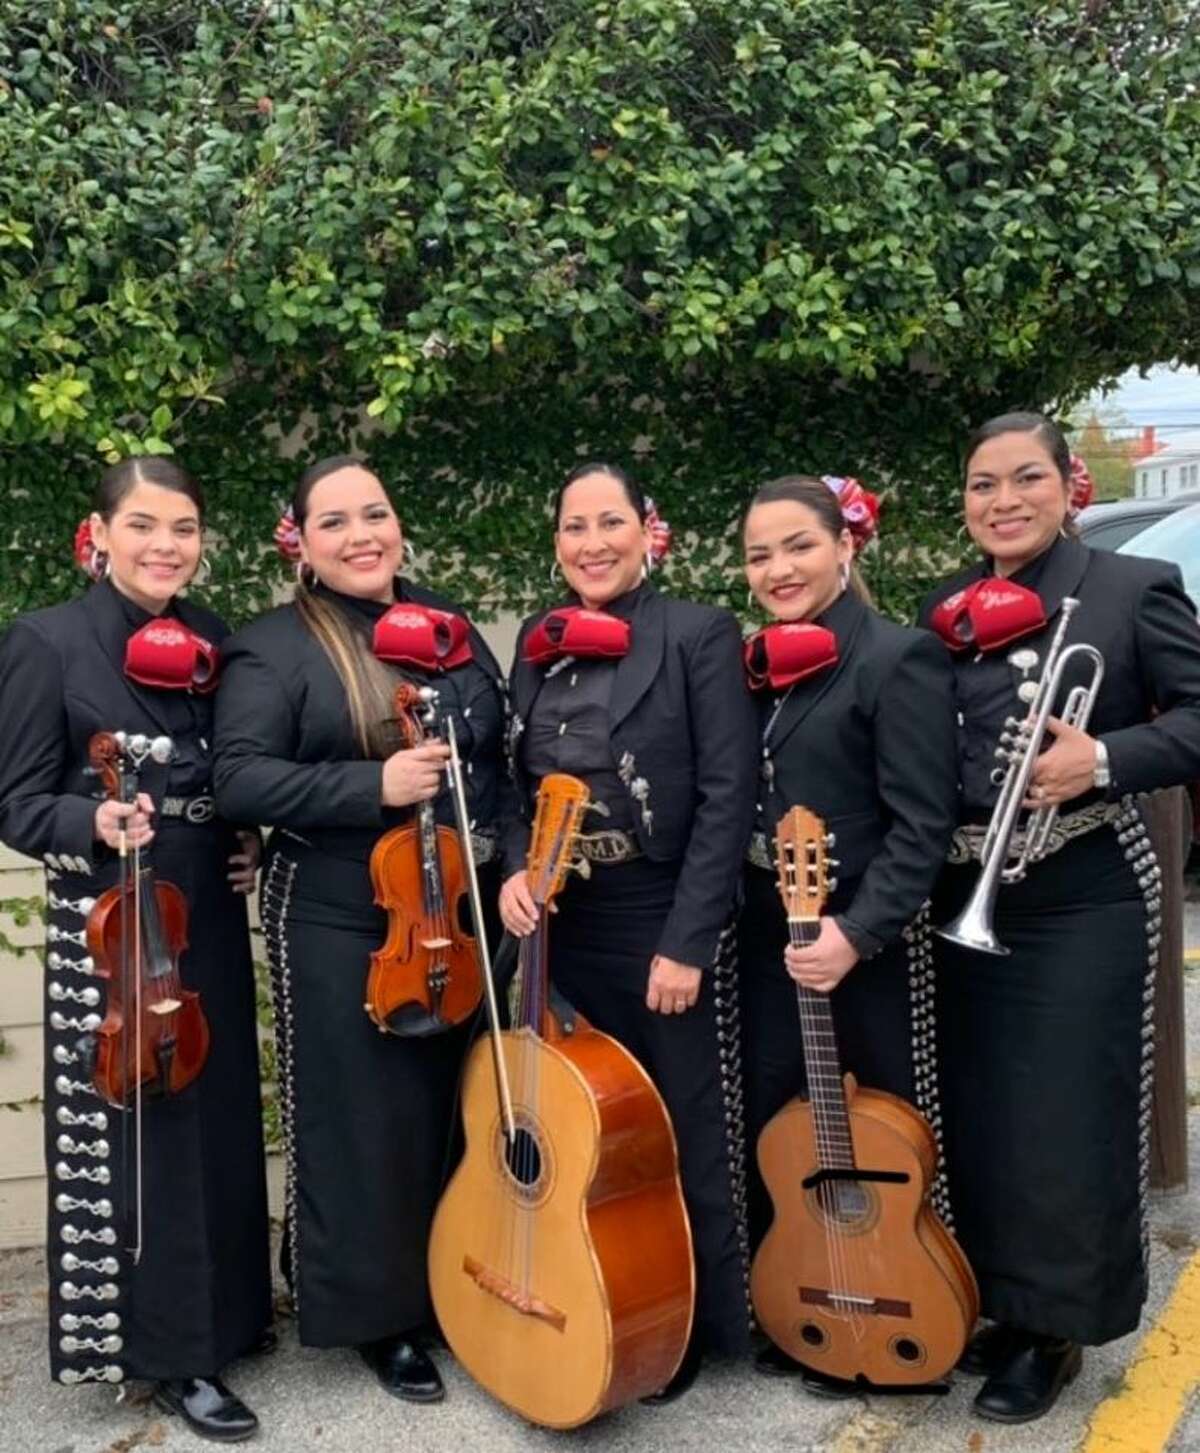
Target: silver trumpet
[[1007, 851]]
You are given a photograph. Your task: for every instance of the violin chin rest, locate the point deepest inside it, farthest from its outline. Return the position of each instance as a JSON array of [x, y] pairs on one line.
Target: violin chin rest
[[413, 1021]]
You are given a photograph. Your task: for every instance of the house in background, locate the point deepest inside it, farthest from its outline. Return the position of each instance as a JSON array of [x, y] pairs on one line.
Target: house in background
[[1162, 469]]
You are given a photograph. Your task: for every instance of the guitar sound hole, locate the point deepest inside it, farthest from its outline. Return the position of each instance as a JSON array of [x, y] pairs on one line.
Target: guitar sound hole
[[907, 1350], [845, 1202], [812, 1335], [524, 1158]]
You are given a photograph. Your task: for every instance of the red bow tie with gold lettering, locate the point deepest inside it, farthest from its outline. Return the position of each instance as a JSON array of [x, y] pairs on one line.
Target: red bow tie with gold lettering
[[172, 657], [574, 631], [988, 614], [419, 635], [780, 655]]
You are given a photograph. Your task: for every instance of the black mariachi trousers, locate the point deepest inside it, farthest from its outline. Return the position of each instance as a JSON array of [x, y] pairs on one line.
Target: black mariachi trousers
[[602, 940]]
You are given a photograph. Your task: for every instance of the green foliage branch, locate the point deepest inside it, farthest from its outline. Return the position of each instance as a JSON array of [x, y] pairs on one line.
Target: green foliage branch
[[482, 239]]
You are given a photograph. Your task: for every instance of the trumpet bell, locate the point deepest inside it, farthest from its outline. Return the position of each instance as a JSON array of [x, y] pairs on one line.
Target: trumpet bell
[[971, 930]]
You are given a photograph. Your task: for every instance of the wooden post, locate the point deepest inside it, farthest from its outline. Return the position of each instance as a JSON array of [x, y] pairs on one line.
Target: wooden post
[[1169, 820]]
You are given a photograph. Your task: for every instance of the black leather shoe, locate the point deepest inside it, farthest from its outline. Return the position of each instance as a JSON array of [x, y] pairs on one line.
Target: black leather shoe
[[773, 1361], [208, 1407], [1030, 1383], [989, 1350], [404, 1369], [684, 1377], [821, 1385]]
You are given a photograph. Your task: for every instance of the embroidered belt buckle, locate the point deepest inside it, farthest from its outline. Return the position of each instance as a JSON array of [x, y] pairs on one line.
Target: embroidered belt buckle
[[967, 843], [196, 810], [483, 848], [609, 845], [757, 854]]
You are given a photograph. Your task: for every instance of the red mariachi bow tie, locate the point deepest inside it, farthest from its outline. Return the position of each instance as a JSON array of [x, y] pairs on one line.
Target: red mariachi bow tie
[[785, 653], [987, 615], [172, 657], [419, 635], [574, 631]]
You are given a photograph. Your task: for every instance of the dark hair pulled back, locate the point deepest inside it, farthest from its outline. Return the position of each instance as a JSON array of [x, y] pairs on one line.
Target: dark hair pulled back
[[1045, 431], [814, 494], [119, 480], [633, 491]]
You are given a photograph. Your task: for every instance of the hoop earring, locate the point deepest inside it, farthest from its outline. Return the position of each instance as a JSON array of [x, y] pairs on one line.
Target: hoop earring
[[203, 571], [107, 571], [408, 555], [556, 573], [306, 576], [844, 575]]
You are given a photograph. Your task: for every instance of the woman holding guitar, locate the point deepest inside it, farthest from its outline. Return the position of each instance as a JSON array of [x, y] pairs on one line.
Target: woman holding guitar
[[312, 741], [630, 692], [158, 1249], [1048, 1045], [856, 724]]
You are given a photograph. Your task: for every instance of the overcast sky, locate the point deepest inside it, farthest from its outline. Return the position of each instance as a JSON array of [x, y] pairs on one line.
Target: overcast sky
[[1167, 397]]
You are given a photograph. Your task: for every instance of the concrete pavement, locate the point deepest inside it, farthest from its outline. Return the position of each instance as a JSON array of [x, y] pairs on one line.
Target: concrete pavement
[[329, 1403]]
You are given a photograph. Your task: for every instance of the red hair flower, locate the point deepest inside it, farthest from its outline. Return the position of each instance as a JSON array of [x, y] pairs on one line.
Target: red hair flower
[[660, 534], [287, 536], [859, 506], [1080, 487], [91, 560]]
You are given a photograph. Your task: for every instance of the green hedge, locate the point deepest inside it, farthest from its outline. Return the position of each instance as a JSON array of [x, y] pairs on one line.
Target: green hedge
[[715, 239]]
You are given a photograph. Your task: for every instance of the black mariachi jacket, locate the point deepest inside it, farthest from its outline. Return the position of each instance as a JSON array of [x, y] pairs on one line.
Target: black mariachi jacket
[[286, 754], [1138, 616], [682, 728], [63, 676], [869, 746]]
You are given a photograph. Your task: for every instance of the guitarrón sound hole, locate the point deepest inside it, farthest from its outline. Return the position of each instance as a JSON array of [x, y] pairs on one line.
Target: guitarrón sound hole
[[524, 1158], [906, 1349], [811, 1334]]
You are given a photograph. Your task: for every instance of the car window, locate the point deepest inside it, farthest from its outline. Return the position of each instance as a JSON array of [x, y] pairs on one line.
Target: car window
[[1177, 538], [1109, 534]]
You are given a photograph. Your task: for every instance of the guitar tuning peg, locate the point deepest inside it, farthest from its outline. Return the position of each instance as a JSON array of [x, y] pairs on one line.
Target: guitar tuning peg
[[834, 862], [831, 839], [583, 867], [831, 885]]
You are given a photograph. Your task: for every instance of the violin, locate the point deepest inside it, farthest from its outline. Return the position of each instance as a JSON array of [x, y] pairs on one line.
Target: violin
[[154, 1036], [425, 978], [560, 1258], [857, 1277]]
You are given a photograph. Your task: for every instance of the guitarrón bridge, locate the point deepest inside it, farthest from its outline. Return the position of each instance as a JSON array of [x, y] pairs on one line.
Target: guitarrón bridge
[[520, 1301], [844, 1302]]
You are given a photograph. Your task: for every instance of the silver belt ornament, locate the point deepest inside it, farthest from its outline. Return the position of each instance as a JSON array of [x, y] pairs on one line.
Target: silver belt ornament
[[196, 810], [967, 842], [757, 852], [609, 845]]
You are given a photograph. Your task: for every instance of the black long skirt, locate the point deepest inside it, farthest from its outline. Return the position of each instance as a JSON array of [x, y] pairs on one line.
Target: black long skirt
[[200, 1293], [602, 940], [1046, 1058], [882, 1016], [369, 1119]]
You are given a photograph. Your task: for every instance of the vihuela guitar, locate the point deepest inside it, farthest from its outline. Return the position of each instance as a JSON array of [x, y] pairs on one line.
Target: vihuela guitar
[[857, 1278], [560, 1261]]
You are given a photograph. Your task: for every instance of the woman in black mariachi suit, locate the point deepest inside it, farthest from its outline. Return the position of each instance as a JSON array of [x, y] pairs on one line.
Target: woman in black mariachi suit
[[1046, 1054], [306, 743], [856, 723], [201, 1293], [666, 743]]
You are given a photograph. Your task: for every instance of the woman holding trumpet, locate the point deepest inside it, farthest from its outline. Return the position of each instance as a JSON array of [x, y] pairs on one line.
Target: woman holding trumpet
[[1047, 1051]]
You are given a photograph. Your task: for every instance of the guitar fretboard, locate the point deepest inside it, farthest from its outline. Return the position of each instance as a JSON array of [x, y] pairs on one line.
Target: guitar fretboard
[[826, 1093]]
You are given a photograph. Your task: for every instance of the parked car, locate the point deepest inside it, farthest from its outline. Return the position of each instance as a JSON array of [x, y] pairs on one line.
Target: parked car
[[1175, 537], [1108, 526]]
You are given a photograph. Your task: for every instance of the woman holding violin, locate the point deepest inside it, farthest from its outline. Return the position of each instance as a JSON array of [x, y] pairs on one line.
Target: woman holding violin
[[1047, 1047], [856, 723], [630, 691], [319, 736], [158, 1238]]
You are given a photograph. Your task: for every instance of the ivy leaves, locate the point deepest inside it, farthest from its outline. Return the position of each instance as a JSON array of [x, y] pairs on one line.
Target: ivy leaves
[[483, 240]]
